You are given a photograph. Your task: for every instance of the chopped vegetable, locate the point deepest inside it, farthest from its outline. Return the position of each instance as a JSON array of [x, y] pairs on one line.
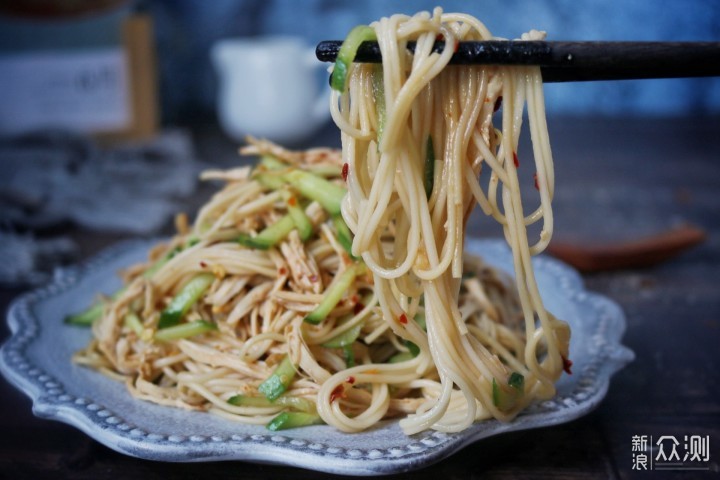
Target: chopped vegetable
[[429, 167], [420, 320], [334, 293], [271, 162], [344, 235], [296, 403], [346, 54], [401, 357], [87, 316], [183, 301], [414, 349], [517, 381], [349, 356], [505, 398], [279, 381], [95, 311], [297, 213], [316, 188], [325, 170], [345, 338], [269, 180], [287, 420], [270, 236], [378, 85], [184, 330], [132, 321]]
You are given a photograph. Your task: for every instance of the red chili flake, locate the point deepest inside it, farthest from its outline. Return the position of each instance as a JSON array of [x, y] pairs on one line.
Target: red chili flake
[[203, 264], [338, 392], [498, 104], [354, 299], [567, 365], [440, 38], [345, 170], [282, 271], [537, 186], [292, 201], [515, 160], [350, 379], [456, 47], [403, 319], [358, 308]]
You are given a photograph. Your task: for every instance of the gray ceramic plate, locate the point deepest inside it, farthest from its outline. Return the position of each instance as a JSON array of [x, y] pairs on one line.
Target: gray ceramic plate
[[36, 359]]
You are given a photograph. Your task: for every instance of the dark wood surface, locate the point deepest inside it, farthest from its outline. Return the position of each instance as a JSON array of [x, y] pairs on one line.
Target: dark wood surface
[[616, 180]]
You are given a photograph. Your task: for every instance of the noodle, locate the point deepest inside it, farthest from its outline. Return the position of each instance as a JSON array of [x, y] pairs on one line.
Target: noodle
[[391, 321], [424, 98]]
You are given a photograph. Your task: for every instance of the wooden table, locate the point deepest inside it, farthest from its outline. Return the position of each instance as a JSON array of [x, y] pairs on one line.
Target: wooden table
[[617, 179]]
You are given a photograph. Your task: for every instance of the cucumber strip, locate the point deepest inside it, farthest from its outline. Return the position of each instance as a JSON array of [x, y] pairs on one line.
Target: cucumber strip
[[349, 356], [333, 294], [506, 398], [297, 213], [286, 420], [279, 381], [413, 351], [132, 321], [344, 236], [87, 316], [517, 381], [429, 178], [297, 403], [344, 339], [327, 171], [346, 55], [270, 236], [401, 357], [184, 330], [270, 181], [420, 320], [326, 193], [378, 85], [271, 162], [92, 313], [412, 348], [183, 301]]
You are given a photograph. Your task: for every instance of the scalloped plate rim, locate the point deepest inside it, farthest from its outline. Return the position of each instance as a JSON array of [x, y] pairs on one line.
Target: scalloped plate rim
[[275, 448]]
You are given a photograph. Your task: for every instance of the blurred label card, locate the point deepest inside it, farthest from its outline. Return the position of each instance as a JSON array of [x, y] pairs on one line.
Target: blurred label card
[[84, 90]]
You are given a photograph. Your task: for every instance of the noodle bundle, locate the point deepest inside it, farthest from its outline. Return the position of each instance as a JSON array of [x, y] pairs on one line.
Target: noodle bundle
[[415, 117], [331, 287]]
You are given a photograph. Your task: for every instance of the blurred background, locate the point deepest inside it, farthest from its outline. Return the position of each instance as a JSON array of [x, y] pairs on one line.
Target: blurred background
[[123, 102], [185, 30]]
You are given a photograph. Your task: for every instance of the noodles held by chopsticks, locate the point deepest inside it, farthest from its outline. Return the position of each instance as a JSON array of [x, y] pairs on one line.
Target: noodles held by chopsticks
[[289, 303]]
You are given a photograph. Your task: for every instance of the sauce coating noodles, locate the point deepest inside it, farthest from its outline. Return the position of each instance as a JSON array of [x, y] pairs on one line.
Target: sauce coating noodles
[[390, 116], [268, 310]]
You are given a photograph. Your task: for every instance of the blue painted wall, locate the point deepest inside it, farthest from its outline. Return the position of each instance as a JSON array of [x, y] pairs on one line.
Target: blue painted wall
[[187, 28]]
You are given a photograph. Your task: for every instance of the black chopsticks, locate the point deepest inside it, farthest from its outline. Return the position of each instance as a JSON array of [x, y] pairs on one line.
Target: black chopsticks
[[572, 61]]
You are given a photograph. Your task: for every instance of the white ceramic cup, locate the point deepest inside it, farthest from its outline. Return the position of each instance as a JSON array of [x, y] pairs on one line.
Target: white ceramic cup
[[269, 87]]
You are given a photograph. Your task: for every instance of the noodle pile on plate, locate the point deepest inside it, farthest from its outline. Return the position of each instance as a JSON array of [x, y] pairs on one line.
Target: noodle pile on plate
[[289, 302]]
